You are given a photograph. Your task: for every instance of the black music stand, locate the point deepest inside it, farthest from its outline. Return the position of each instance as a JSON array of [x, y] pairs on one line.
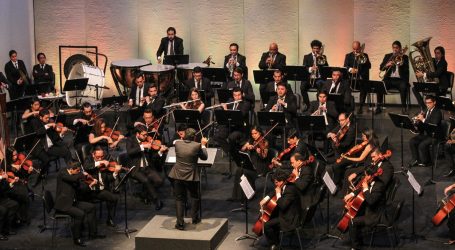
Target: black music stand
[[311, 123], [186, 116], [426, 87], [114, 100], [126, 230], [229, 118], [296, 73], [224, 95], [23, 143], [38, 88], [76, 85], [402, 122], [176, 59], [243, 160], [214, 74], [444, 103], [17, 106], [266, 118], [263, 76], [373, 87], [326, 72], [338, 99]]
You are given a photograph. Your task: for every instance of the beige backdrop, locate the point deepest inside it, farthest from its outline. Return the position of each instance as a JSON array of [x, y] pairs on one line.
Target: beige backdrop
[[133, 29]]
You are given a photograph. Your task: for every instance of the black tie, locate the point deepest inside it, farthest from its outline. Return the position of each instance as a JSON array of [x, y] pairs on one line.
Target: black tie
[[172, 48], [334, 89], [15, 65]]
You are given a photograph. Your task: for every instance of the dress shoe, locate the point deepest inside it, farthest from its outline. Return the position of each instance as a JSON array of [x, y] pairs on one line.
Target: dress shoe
[[196, 221], [180, 226], [79, 242], [378, 111], [421, 165], [158, 205], [360, 111], [111, 223], [97, 236], [450, 173], [3, 237]]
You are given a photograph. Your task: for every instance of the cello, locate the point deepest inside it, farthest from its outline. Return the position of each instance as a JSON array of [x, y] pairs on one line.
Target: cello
[[448, 204]]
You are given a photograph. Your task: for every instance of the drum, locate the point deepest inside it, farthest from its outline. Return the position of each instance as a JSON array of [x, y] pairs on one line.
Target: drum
[[160, 74], [123, 72], [95, 83], [185, 71]]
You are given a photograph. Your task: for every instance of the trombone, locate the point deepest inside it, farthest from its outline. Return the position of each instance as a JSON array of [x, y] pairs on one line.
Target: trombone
[[397, 59], [359, 59], [320, 60]]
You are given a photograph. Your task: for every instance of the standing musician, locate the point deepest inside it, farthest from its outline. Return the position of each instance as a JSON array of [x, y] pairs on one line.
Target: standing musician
[[273, 85], [154, 102], [311, 61], [43, 73], [8, 207], [170, 45], [375, 198], [244, 85], [84, 123], [271, 59], [137, 96], [16, 73], [295, 146], [98, 167], [99, 137], [287, 206], [32, 113], [196, 104], [343, 135], [185, 174], [338, 86], [283, 102], [396, 65], [200, 83], [449, 152], [440, 65], [234, 60], [420, 144], [138, 150], [358, 64], [325, 108], [68, 184], [227, 141]]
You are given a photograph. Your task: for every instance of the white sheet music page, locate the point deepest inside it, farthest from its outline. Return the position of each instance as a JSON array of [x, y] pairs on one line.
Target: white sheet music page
[[414, 183], [329, 183], [246, 187]]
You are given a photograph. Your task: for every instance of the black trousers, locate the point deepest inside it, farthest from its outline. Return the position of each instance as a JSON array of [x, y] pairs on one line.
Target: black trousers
[[59, 150], [19, 193], [150, 179], [451, 225], [355, 231], [8, 208], [82, 211], [449, 151], [420, 148], [272, 231], [110, 199], [396, 83], [180, 190]]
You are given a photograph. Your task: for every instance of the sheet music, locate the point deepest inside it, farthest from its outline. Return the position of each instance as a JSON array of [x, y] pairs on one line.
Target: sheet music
[[329, 183], [415, 185], [246, 187]]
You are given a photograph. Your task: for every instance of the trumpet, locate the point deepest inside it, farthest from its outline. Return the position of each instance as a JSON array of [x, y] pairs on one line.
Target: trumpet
[[320, 60], [232, 64], [416, 122], [270, 61], [397, 59], [221, 104]]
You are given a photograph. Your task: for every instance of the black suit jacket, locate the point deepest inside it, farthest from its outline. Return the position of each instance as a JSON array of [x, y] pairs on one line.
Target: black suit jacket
[[348, 140], [133, 92], [288, 207], [156, 106], [303, 184], [241, 59], [279, 63], [178, 46], [403, 69], [440, 73], [41, 132], [66, 189], [291, 111], [332, 113], [363, 69], [247, 88], [107, 176], [40, 75], [344, 89], [12, 74], [206, 86], [435, 117], [135, 154], [244, 107]]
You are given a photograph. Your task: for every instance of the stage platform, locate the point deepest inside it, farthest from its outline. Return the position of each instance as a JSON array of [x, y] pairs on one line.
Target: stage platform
[[159, 233]]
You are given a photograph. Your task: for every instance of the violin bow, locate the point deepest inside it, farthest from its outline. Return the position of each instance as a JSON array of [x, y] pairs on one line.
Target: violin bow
[[268, 132], [115, 125], [31, 150]]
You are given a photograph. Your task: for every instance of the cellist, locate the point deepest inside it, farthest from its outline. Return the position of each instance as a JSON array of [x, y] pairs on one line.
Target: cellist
[[375, 198]]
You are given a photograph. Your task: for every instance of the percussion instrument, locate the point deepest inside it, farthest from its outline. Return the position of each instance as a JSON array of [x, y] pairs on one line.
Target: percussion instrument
[[123, 72], [95, 85], [160, 74]]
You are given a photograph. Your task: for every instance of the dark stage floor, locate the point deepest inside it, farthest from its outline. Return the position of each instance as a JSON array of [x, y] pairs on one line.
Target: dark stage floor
[[218, 189]]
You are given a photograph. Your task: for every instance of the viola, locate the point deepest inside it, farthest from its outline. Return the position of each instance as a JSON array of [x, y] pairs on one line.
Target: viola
[[283, 153], [25, 163], [88, 179], [12, 177], [340, 134], [111, 167], [156, 144], [59, 128], [354, 150], [113, 134]]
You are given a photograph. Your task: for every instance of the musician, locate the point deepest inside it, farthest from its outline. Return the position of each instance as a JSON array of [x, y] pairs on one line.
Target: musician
[[375, 199], [345, 131], [287, 206], [420, 144], [185, 175], [449, 152], [137, 96], [234, 60], [227, 141], [170, 45], [50, 143], [450, 218], [13, 70], [295, 146], [106, 182], [200, 83], [68, 184], [84, 123], [32, 113], [244, 85], [43, 73], [8, 208], [154, 101], [149, 121], [272, 86], [196, 104], [98, 137], [180, 133], [310, 62], [338, 86], [440, 65], [397, 75], [283, 102], [325, 108], [270, 60], [302, 170], [138, 150]]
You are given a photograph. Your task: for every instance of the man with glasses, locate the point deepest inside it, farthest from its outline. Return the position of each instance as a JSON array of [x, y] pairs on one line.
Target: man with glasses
[[343, 135]]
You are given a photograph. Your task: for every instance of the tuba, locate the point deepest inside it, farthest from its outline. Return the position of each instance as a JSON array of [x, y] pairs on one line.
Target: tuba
[[422, 62]]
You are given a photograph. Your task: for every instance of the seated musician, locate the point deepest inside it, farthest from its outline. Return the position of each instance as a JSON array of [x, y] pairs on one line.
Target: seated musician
[[343, 135], [32, 113], [43, 74], [449, 152], [68, 184], [271, 87], [283, 102], [84, 123], [138, 150], [196, 104], [271, 59], [325, 108], [420, 144], [302, 170], [237, 133], [295, 146], [287, 206], [440, 75], [200, 83], [50, 142], [149, 121], [374, 203], [357, 154], [98, 137], [338, 86], [245, 85], [154, 101], [97, 166], [137, 95], [8, 207]]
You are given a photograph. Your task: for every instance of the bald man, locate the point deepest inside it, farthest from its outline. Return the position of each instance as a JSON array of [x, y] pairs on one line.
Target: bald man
[[271, 59]]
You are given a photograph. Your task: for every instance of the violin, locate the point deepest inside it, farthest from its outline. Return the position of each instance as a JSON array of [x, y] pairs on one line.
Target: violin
[[354, 150], [283, 153], [24, 163], [156, 144], [111, 167], [88, 179], [113, 134], [12, 177], [342, 132], [60, 126]]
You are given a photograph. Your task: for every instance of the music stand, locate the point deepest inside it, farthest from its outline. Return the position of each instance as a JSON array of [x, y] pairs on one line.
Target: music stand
[[444, 103], [214, 74], [402, 122], [243, 160], [296, 73], [186, 116], [326, 72], [176, 59], [311, 123], [22, 143], [263, 76], [17, 106], [266, 118], [38, 88], [114, 100], [126, 230], [224, 95], [338, 99], [373, 87], [76, 85], [426, 87]]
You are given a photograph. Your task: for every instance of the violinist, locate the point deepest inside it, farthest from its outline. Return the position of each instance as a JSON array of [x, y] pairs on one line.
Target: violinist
[[84, 123], [196, 104], [154, 102], [375, 198], [355, 155], [68, 184], [98, 137], [287, 206], [295, 145], [97, 166], [8, 208], [342, 136], [32, 113], [149, 121], [138, 150]]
